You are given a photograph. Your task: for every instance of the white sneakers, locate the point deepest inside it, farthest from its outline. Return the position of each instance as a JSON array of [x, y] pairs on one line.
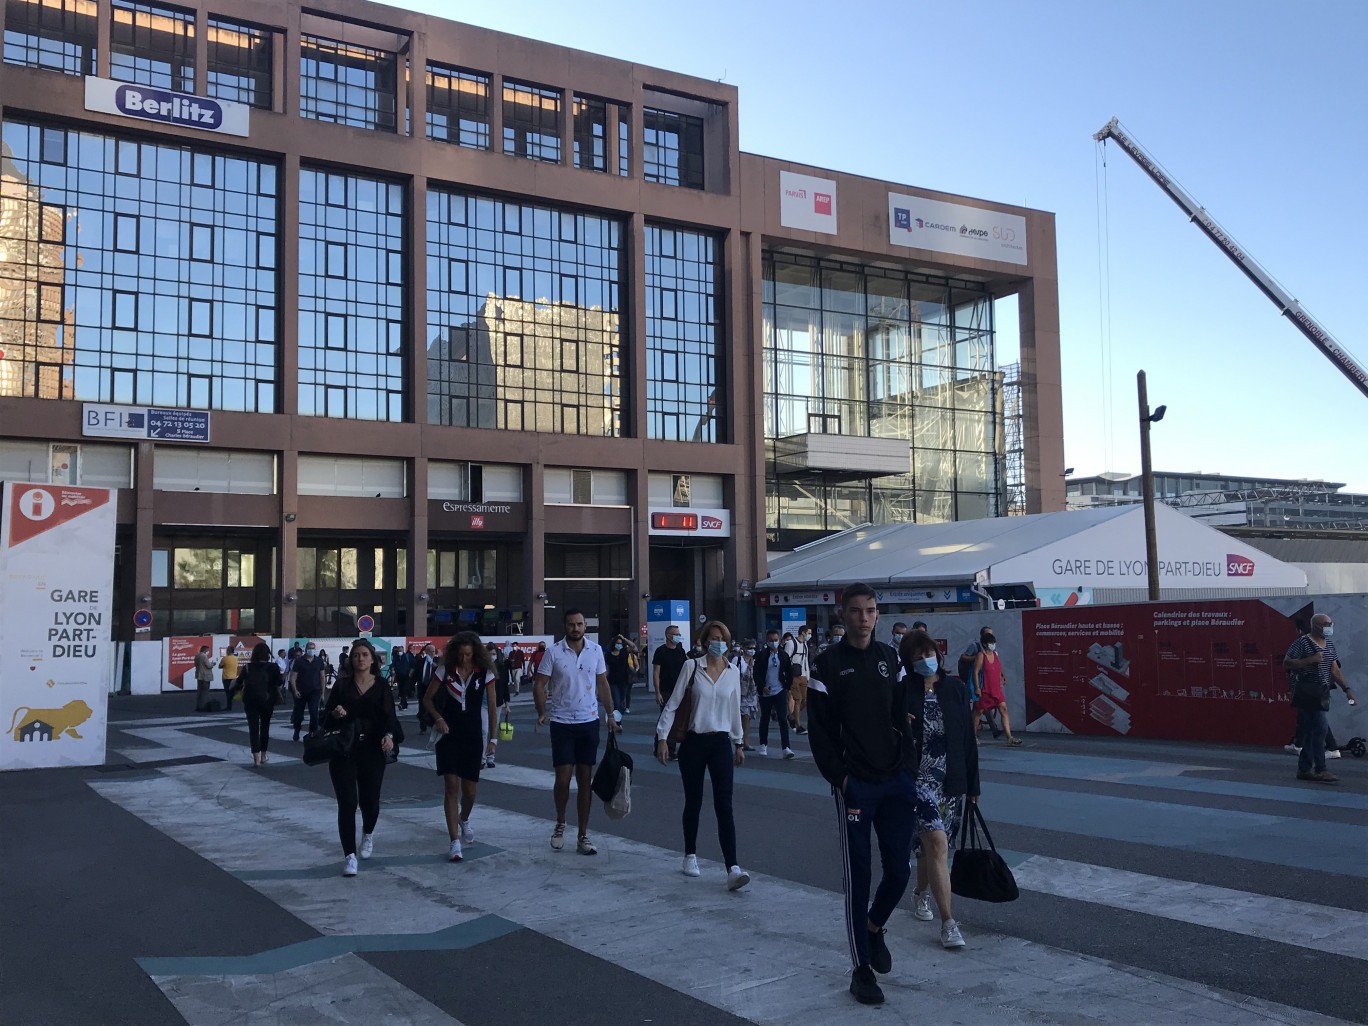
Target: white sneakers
[[1292, 749], [737, 878], [762, 750], [691, 866], [950, 935], [467, 834], [1332, 753], [788, 753], [349, 866], [585, 846], [558, 837], [921, 907], [367, 846], [454, 854]]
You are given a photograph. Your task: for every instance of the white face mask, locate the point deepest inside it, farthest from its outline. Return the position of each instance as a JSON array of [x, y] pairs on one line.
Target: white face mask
[[992, 646], [750, 651], [717, 648], [772, 645], [926, 666], [1327, 630]]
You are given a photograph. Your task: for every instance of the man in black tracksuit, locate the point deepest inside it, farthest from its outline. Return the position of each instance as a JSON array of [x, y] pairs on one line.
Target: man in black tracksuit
[[865, 748]]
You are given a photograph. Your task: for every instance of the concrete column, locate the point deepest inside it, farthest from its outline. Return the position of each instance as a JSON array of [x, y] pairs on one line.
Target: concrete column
[[102, 32], [417, 86], [534, 553], [610, 138], [417, 292], [417, 549], [567, 126], [1042, 395], [202, 52], [641, 583], [496, 113], [287, 546], [290, 64], [287, 320], [632, 323], [145, 523]]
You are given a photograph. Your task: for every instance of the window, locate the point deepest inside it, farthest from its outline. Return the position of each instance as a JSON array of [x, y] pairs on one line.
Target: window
[[55, 34], [671, 148], [458, 106], [591, 134], [348, 84], [525, 336], [682, 390], [624, 140], [532, 121], [241, 62], [152, 45], [352, 337], [362, 477], [137, 262], [178, 469]]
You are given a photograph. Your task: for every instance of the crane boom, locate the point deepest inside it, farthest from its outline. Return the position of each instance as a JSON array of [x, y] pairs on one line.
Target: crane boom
[[1289, 307]]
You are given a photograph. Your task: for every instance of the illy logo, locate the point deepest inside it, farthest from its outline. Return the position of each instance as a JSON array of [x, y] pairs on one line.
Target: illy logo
[[1239, 566], [821, 203]]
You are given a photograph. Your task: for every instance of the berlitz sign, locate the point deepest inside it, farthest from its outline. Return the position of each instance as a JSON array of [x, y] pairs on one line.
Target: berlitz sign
[[807, 203], [167, 107]]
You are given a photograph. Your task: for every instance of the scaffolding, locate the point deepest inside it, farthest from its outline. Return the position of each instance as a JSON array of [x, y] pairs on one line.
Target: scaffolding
[[1015, 440]]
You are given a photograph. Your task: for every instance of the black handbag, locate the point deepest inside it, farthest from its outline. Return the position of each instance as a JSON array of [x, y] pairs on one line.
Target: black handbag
[[978, 872], [1309, 689], [329, 744], [610, 769]]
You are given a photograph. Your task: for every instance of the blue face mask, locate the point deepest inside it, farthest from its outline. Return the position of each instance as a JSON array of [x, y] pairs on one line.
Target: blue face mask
[[717, 648], [926, 667]]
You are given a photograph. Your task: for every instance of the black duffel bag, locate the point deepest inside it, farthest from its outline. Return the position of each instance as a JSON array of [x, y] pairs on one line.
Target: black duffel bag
[[325, 745], [610, 769], [978, 872]]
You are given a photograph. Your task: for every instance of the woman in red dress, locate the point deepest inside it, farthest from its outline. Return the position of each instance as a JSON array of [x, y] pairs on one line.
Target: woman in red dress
[[988, 669]]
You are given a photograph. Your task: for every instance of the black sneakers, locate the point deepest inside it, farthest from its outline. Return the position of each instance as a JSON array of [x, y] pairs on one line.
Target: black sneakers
[[864, 988], [879, 958]]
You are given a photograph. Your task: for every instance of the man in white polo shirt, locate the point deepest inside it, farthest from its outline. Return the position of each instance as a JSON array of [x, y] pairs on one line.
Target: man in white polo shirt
[[571, 681]]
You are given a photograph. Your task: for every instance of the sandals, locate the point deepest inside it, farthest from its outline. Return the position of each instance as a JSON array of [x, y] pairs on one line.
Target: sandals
[[1015, 742]]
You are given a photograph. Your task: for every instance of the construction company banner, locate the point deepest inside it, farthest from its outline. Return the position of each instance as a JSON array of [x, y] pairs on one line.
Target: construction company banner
[[56, 585], [807, 203], [954, 228], [1209, 670]]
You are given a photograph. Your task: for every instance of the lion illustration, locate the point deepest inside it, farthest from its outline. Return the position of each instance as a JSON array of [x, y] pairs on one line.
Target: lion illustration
[[49, 724]]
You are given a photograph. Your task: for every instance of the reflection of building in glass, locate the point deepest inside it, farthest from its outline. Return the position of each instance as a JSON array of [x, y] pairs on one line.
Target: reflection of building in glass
[[36, 338], [529, 366], [858, 358]]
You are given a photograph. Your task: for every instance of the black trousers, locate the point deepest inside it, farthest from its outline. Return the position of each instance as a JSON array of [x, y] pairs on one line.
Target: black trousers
[[302, 701], [258, 723], [710, 753], [356, 780], [776, 706]]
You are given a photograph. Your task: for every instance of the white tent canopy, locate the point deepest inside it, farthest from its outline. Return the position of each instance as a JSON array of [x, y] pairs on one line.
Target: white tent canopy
[[1094, 548]]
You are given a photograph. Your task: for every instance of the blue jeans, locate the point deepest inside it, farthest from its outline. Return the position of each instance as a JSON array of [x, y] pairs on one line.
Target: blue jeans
[[621, 696], [1311, 726]]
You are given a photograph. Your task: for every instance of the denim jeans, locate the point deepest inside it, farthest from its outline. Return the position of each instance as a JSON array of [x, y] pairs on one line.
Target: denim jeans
[[621, 696], [1312, 727]]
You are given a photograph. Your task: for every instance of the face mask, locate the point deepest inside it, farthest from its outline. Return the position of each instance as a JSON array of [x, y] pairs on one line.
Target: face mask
[[717, 648], [773, 645], [672, 639], [927, 666], [1327, 630], [992, 646], [617, 648], [750, 651], [311, 652]]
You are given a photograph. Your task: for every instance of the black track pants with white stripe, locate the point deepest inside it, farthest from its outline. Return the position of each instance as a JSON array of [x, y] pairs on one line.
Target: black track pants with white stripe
[[889, 809]]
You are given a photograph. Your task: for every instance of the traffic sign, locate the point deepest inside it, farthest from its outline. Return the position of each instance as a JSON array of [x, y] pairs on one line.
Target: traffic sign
[[142, 618], [365, 623]]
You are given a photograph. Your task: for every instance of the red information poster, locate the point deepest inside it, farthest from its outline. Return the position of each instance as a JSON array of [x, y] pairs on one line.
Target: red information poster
[[1191, 671], [181, 664]]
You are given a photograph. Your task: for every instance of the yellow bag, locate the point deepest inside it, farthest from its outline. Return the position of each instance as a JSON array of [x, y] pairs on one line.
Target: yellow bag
[[505, 730]]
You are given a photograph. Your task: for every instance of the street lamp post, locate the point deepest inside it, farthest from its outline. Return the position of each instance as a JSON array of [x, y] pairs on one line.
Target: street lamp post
[[1147, 484]]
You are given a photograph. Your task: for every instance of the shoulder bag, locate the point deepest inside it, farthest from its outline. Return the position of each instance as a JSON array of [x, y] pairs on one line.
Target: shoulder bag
[[683, 713], [606, 777], [329, 744], [1308, 689], [978, 872]]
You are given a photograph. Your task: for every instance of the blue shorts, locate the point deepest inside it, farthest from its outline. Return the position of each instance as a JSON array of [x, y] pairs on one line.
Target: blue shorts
[[574, 744]]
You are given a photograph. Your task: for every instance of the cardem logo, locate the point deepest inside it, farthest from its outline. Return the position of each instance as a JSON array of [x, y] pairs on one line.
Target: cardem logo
[[1239, 566]]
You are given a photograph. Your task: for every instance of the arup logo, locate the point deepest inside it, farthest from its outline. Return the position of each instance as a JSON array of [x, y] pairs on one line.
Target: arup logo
[[711, 523], [1239, 566], [821, 203], [902, 218], [172, 108]]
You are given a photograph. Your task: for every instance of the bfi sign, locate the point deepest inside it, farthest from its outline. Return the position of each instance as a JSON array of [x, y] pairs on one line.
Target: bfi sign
[[166, 107]]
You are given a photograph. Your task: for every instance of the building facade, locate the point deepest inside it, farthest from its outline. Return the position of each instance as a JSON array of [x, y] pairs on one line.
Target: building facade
[[459, 328]]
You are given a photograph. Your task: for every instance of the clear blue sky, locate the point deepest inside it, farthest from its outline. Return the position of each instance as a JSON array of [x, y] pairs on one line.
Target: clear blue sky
[[1257, 107]]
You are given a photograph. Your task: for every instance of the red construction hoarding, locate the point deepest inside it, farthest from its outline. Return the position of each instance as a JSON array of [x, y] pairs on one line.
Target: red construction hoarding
[[1192, 671]]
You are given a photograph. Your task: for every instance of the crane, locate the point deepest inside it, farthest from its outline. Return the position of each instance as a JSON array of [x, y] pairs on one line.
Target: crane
[[1289, 307]]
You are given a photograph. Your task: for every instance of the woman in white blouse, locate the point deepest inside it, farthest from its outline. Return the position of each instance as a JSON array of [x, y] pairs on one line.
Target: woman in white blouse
[[713, 744]]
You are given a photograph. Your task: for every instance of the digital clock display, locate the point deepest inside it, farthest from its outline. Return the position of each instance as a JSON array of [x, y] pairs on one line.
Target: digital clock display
[[674, 521]]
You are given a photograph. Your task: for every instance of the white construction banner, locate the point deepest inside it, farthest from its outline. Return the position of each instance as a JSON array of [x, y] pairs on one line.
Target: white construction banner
[[955, 228], [56, 584], [807, 203]]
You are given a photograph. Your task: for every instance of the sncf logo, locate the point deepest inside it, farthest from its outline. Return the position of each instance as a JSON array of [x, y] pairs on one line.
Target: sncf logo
[[821, 203], [711, 523], [1239, 566]]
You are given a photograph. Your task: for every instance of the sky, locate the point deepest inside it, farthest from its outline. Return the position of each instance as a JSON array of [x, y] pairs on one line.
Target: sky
[[1256, 107]]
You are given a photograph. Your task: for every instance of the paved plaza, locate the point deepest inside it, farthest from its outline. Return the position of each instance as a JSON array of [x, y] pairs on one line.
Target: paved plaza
[[1161, 883]]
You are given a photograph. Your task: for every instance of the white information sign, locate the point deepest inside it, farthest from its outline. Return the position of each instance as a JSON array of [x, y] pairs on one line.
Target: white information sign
[[807, 203], [56, 580], [169, 108], [955, 228]]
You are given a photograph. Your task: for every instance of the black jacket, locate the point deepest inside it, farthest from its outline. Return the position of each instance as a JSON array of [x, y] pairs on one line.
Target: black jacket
[[961, 748], [761, 668], [857, 715], [373, 712]]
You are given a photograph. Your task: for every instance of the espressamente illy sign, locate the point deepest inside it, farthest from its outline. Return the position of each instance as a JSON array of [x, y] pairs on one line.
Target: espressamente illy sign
[[166, 107]]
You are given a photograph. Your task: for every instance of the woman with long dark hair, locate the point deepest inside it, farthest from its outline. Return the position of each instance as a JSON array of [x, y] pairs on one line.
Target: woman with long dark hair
[[261, 682], [456, 700], [360, 699], [938, 706]]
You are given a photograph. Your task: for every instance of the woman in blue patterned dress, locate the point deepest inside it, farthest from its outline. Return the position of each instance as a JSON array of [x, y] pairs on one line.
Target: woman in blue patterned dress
[[947, 771]]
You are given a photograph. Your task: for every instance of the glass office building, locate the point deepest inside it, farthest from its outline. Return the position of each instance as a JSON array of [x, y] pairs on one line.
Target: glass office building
[[484, 327]]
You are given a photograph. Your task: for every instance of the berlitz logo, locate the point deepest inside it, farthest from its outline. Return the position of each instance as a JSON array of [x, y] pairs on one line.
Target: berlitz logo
[[1239, 566], [821, 203], [711, 523], [173, 108]]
